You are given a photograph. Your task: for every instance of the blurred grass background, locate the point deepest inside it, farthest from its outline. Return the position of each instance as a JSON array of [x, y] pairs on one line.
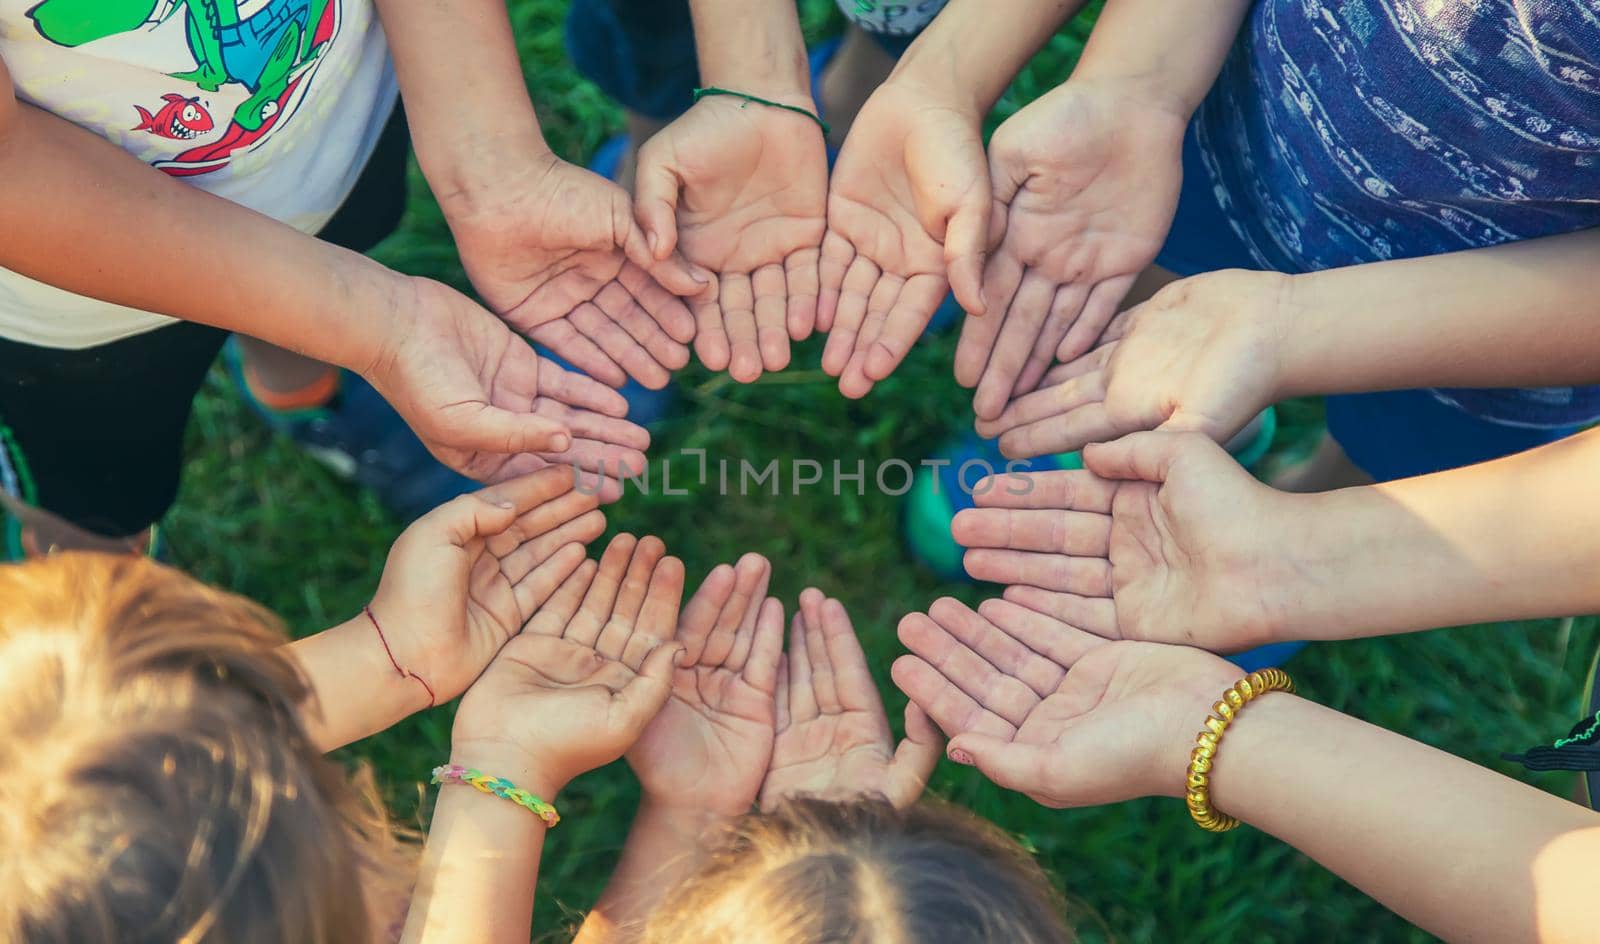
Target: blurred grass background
[[258, 517]]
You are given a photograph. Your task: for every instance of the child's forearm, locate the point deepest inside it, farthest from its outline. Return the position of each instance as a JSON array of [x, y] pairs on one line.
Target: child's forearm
[[659, 853], [1172, 52], [1516, 538], [1523, 314], [974, 48], [1459, 850], [472, 122], [479, 868], [751, 47], [80, 214], [356, 691]]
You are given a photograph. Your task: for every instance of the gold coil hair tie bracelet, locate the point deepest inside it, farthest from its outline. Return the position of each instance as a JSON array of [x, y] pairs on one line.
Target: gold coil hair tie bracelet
[[1244, 691]]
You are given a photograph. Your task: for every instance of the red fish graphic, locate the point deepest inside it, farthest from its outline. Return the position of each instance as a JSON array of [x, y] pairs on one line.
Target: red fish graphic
[[180, 118]]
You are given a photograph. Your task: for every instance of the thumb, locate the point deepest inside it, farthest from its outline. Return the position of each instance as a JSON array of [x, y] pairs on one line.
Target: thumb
[[1146, 456], [641, 699], [501, 432], [474, 515], [966, 244], [914, 758], [655, 201], [1019, 767]]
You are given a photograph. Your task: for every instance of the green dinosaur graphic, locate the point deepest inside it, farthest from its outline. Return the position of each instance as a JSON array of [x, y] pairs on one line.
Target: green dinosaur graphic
[[263, 52]]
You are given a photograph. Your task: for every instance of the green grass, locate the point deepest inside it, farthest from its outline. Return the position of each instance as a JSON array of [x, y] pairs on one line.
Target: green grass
[[257, 517]]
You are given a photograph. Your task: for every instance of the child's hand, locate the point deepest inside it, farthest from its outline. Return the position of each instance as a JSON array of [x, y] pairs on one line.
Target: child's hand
[[708, 748], [558, 255], [1202, 355], [1118, 725], [908, 215], [464, 577], [833, 736], [1086, 179], [486, 405], [742, 191], [577, 686], [1163, 538]]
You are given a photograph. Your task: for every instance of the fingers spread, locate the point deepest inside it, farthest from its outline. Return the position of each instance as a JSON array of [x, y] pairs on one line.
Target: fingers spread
[[1098, 310], [914, 306], [700, 614], [619, 628], [852, 682], [844, 324], [996, 647], [658, 616], [591, 618], [823, 683], [802, 697], [1024, 320]]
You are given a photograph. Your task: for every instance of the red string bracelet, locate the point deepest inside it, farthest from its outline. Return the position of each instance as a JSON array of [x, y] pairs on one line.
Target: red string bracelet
[[404, 673]]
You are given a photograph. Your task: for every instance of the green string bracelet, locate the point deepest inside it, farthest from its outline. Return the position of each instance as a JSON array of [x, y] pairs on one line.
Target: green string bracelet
[[700, 93]]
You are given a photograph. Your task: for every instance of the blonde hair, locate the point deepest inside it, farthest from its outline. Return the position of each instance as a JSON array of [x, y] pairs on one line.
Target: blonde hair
[[813, 871], [155, 780]]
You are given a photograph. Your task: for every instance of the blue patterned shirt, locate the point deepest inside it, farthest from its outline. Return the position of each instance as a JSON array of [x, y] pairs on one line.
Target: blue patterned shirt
[[1350, 131]]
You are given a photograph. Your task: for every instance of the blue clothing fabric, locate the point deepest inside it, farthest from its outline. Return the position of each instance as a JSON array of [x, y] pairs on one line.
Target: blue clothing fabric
[[641, 52], [1390, 435], [1350, 131]]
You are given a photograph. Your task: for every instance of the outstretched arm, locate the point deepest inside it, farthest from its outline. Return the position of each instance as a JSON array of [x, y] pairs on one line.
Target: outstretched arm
[[567, 694], [79, 213], [1072, 720], [551, 247]]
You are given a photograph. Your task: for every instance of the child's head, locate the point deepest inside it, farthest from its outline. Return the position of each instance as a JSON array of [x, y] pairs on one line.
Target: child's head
[[155, 782], [862, 871]]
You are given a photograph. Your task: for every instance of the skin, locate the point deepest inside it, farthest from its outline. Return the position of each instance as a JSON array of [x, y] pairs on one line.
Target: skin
[[741, 189], [478, 397], [1073, 720], [552, 248], [821, 730], [909, 203], [702, 759], [1086, 181], [833, 737], [569, 693], [459, 582]]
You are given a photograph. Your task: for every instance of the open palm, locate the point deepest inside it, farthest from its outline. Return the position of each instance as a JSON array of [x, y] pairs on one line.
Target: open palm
[[559, 257], [465, 577], [741, 190], [1087, 178], [908, 213], [1203, 355], [577, 686], [1164, 538], [487, 406], [712, 739], [1049, 710], [833, 738]]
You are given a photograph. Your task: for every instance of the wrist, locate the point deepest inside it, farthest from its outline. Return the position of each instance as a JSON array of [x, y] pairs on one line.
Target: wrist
[[691, 814], [501, 758], [473, 189]]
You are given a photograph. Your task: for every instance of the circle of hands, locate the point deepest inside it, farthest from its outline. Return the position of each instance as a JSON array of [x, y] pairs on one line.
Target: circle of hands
[[739, 243]]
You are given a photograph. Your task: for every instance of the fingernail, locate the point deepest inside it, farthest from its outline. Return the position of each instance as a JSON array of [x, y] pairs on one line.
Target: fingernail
[[561, 443], [961, 757], [503, 503]]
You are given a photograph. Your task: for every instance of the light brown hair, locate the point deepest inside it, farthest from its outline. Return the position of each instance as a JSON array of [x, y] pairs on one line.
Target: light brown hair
[[814, 871], [155, 781]]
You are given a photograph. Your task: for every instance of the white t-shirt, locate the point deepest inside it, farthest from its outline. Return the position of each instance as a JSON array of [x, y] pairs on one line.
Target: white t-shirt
[[903, 18], [273, 104]]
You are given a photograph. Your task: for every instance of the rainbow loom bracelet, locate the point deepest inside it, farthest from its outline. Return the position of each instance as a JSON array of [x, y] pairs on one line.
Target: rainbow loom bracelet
[[498, 786]]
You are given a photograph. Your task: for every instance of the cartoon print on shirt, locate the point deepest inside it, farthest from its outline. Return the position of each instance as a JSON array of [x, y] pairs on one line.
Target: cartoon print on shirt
[[268, 47], [180, 118]]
